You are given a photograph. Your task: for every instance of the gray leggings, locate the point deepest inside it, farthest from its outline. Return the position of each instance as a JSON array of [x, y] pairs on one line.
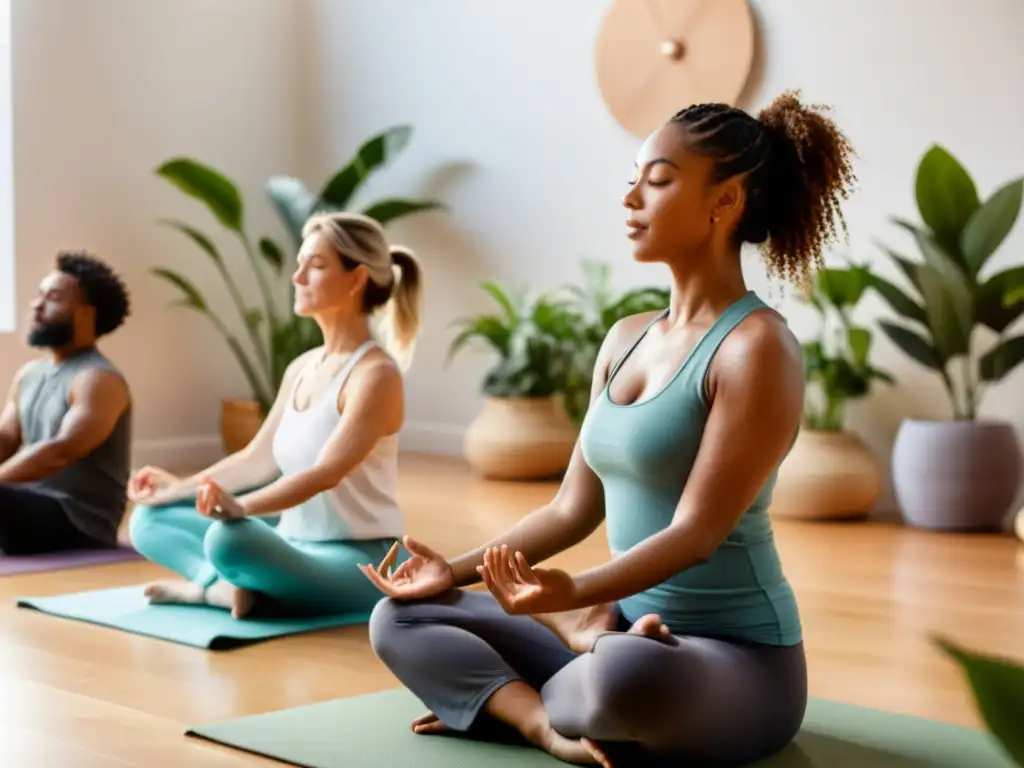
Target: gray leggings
[[711, 701]]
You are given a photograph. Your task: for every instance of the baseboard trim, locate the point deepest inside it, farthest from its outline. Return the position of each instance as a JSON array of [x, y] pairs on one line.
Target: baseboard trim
[[204, 450], [431, 437], [177, 453]]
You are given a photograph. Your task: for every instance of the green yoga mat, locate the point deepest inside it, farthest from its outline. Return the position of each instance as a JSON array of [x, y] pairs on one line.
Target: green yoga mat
[[127, 609], [373, 732]]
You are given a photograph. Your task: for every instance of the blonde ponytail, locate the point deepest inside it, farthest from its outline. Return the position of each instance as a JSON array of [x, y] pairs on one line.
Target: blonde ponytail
[[401, 320]]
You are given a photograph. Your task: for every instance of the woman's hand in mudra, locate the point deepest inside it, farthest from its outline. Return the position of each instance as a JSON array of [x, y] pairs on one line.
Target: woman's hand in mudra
[[522, 589], [213, 501], [425, 574], [148, 482]]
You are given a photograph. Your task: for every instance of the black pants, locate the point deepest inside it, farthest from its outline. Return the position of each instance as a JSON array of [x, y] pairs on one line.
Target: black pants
[[32, 523]]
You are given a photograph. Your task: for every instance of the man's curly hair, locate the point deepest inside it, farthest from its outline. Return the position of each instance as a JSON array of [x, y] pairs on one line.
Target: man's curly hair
[[100, 287]]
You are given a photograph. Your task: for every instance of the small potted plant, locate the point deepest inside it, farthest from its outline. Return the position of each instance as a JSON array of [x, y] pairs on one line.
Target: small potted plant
[[523, 431], [830, 473], [964, 473]]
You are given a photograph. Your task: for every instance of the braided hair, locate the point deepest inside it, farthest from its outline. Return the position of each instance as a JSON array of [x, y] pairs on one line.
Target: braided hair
[[796, 167]]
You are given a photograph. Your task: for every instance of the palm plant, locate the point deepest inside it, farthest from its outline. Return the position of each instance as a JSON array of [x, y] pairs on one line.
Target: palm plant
[[958, 236], [275, 336], [837, 362]]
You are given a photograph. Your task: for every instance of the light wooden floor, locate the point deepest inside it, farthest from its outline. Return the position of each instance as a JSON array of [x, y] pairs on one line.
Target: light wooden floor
[[79, 696]]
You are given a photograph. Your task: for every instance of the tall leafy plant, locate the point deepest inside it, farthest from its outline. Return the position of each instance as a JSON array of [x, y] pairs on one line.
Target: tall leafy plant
[[274, 336], [295, 202], [836, 363], [533, 337], [597, 308], [954, 294]]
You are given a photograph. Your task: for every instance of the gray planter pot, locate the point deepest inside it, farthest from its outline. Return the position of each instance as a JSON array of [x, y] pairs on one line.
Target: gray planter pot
[[957, 475]]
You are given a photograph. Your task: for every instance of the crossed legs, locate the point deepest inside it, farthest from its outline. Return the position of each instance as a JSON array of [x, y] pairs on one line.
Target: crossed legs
[[232, 564], [700, 699]]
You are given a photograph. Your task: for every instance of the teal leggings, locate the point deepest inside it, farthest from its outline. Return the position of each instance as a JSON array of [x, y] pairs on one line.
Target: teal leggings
[[294, 576]]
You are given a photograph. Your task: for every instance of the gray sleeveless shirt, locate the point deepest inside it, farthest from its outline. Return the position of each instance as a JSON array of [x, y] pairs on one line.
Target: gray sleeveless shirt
[[92, 490]]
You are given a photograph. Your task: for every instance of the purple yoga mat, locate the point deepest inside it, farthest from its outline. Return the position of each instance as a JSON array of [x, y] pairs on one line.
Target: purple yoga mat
[[9, 566]]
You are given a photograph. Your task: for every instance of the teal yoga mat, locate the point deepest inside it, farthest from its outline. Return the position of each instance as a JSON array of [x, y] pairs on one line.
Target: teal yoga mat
[[126, 608], [373, 732]]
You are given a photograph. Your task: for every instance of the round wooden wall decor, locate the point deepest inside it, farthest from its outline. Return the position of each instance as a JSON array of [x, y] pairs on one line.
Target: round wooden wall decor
[[655, 57]]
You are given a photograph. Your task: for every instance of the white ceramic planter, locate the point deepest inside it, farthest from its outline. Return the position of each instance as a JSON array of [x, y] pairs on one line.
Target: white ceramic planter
[[957, 475]]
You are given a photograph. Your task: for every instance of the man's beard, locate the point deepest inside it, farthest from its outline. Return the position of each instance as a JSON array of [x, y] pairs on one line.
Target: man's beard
[[51, 335]]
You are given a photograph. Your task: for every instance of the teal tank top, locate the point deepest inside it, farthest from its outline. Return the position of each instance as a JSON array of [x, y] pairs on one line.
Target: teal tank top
[[643, 454]]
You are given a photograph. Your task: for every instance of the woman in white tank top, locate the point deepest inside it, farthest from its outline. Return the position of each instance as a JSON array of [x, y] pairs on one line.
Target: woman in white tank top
[[325, 461]]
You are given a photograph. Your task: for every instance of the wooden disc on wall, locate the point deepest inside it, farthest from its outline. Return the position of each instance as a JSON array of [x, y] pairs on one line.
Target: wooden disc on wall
[[655, 57]]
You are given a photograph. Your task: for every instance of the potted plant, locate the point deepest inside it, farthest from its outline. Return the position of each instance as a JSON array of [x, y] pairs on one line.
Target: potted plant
[[523, 431], [598, 308], [964, 473], [273, 336], [830, 473]]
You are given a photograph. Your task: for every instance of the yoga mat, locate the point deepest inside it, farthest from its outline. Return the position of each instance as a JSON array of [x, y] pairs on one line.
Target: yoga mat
[[373, 732], [201, 626], [11, 565]]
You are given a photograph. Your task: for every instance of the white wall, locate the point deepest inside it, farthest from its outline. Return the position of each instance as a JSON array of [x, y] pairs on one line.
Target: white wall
[[507, 90], [7, 293], [509, 87], [106, 90]]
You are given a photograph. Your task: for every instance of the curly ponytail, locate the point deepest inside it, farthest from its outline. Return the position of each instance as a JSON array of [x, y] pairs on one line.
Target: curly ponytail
[[797, 167]]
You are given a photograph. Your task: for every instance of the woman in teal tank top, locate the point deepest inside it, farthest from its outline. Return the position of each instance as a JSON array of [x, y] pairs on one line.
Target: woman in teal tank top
[[686, 645]]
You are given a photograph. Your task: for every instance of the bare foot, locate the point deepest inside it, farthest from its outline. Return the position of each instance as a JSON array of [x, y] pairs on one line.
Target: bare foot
[[579, 629], [427, 724], [239, 601], [649, 625], [221, 595], [175, 592], [583, 751], [580, 751]]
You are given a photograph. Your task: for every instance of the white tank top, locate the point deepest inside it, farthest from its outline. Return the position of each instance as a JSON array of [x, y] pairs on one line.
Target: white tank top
[[364, 504]]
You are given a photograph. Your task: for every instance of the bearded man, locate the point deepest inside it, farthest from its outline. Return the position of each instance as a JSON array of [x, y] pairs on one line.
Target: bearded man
[[65, 431]]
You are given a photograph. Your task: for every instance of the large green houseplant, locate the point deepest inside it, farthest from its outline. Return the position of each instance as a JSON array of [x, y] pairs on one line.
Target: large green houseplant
[[273, 336], [522, 431], [963, 473], [830, 473]]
